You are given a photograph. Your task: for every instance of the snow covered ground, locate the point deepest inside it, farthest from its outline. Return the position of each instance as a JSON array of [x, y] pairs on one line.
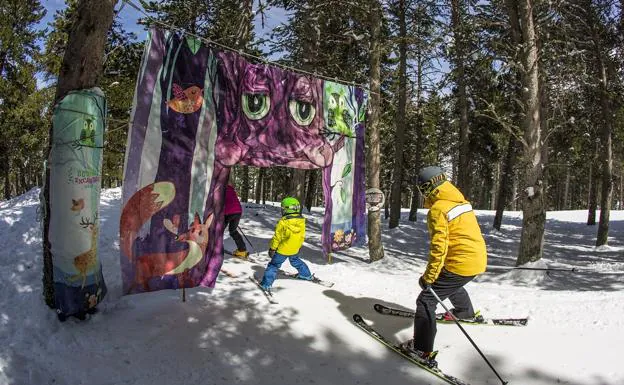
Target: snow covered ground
[[231, 335]]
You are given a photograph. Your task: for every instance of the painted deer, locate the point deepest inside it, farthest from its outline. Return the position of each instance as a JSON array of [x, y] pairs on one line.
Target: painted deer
[[87, 262]]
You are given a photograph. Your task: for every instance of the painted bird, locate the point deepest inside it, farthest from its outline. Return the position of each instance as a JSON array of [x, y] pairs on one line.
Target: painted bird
[[186, 101]]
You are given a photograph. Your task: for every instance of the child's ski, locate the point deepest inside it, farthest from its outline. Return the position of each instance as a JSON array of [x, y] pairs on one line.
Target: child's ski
[[359, 321], [440, 317], [267, 293], [314, 278]]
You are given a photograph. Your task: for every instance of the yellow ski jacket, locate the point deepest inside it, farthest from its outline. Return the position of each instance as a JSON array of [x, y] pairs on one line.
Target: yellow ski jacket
[[289, 234], [456, 241]]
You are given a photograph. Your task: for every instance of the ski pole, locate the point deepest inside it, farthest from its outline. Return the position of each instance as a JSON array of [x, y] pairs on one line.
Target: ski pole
[[466, 334], [241, 230]]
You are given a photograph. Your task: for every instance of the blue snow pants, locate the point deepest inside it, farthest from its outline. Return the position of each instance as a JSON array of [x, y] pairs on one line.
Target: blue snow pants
[[276, 262]]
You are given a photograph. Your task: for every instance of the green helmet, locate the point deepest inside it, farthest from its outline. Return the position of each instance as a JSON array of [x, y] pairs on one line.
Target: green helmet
[[290, 205]]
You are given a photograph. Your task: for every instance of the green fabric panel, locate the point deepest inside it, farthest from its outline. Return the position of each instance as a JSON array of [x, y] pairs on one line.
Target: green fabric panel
[[75, 183]]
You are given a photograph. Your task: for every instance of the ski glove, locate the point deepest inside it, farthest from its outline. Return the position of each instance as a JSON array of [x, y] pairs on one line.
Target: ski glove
[[423, 284], [271, 253]]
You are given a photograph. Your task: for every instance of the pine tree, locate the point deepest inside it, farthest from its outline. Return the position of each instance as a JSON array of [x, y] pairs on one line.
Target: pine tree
[[18, 53], [375, 247]]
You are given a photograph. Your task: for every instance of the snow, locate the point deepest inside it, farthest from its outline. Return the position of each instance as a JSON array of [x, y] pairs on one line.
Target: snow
[[232, 335]]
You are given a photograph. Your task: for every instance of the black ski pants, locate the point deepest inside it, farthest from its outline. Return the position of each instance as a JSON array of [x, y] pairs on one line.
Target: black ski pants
[[231, 222], [448, 285]]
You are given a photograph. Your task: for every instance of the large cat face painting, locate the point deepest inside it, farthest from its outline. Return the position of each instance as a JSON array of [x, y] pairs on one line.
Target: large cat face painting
[[269, 116]]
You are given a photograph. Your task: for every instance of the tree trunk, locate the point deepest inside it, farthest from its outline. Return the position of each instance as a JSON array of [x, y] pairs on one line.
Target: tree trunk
[[81, 68], [592, 199], [566, 190], [399, 134], [311, 190], [259, 184], [17, 183], [621, 203], [506, 182], [375, 247], [414, 205], [533, 212], [265, 186], [495, 186], [463, 166], [606, 159], [7, 181], [413, 215], [298, 184], [387, 205], [20, 183], [244, 191]]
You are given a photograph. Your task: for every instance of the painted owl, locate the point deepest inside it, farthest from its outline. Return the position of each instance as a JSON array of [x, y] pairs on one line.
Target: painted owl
[[87, 133]]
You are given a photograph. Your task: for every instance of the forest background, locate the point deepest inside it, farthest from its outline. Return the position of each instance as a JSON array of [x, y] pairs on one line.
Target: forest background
[[520, 101]]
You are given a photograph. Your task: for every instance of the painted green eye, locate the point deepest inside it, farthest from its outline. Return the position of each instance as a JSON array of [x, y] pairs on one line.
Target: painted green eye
[[302, 112], [342, 103], [333, 101], [256, 106]]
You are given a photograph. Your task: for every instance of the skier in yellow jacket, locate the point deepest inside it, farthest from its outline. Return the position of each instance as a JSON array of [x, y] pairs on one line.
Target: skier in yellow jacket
[[286, 242], [457, 254]]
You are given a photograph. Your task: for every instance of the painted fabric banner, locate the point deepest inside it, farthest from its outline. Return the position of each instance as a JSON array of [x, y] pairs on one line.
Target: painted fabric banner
[[75, 182], [344, 182], [197, 112]]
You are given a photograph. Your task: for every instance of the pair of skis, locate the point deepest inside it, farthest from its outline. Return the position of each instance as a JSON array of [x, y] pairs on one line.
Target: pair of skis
[[269, 295], [359, 321], [379, 308]]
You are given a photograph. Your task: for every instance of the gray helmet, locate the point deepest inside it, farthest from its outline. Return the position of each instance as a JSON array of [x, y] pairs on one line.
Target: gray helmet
[[429, 178]]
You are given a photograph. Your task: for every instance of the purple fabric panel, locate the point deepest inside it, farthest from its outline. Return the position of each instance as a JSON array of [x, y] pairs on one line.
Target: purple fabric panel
[[359, 181], [215, 204], [181, 83], [144, 95], [326, 238], [178, 143], [274, 138], [179, 129]]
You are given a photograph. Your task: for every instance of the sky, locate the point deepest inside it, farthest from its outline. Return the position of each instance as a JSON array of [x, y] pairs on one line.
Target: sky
[[231, 335], [129, 15]]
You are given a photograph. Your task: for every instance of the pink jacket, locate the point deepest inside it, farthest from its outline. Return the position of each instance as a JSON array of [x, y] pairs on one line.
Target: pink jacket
[[232, 204]]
